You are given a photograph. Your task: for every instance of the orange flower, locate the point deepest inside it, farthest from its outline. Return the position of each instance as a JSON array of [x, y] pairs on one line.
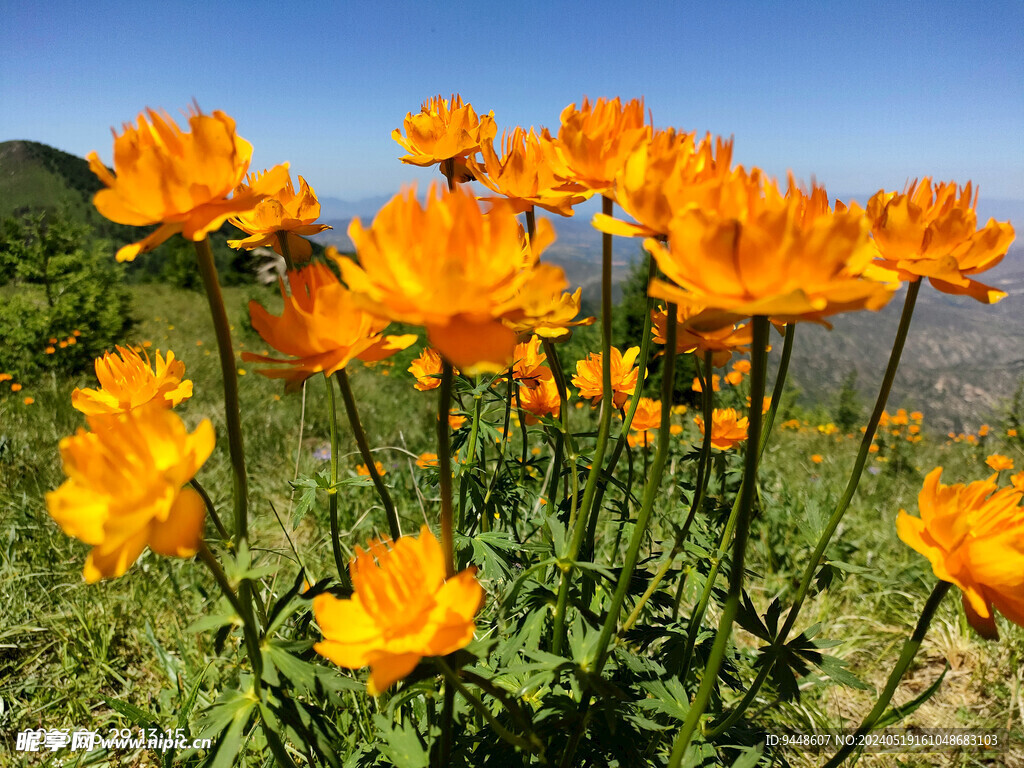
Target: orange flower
[[716, 384], [932, 232], [5, 377], [761, 253], [916, 416], [817, 458], [29, 400], [442, 131], [49, 350], [665, 176], [455, 421], [727, 428], [528, 363], [321, 328], [427, 370], [455, 271], [589, 376], [177, 179], [642, 439], [528, 174], [997, 462], [363, 470], [595, 140], [983, 430], [974, 537], [700, 331], [741, 366], [124, 489], [1018, 481], [648, 414], [402, 610], [734, 378], [540, 400], [426, 460], [15, 387], [128, 381], [283, 211], [549, 316]]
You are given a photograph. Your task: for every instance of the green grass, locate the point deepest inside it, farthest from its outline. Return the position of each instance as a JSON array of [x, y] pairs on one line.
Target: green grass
[[65, 645]]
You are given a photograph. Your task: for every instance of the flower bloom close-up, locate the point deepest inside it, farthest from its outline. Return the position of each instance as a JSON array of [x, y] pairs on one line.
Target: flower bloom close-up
[[427, 370], [180, 180], [728, 429], [403, 609], [445, 130], [759, 253], [589, 380], [283, 213], [128, 381], [528, 174], [932, 231], [595, 140], [648, 414], [454, 270], [124, 488], [973, 535], [700, 332], [321, 328], [999, 462], [542, 399]]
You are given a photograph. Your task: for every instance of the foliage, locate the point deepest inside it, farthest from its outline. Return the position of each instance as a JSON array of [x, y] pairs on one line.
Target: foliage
[[57, 281]]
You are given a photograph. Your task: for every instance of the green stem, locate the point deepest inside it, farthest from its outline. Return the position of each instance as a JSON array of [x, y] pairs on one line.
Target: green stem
[[910, 648], [471, 459], [659, 576], [844, 502], [224, 535], [249, 628], [232, 413], [747, 495], [571, 454], [332, 492], [567, 559], [780, 383], [444, 466], [286, 251], [505, 439], [364, 451]]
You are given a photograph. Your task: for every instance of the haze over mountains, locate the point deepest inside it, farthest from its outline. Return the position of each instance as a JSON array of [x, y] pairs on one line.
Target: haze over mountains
[[962, 361]]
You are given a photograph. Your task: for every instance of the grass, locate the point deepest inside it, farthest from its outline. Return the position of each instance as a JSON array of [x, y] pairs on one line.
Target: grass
[[65, 647]]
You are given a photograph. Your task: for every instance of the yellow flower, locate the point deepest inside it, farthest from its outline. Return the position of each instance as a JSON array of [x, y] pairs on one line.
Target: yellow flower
[[364, 471], [1017, 480], [595, 140], [541, 399], [426, 460], [589, 376], [403, 609], [998, 462], [124, 489], [427, 370], [445, 130], [932, 232], [762, 253], [665, 176], [727, 428], [321, 328], [549, 315], [180, 180], [128, 381], [528, 363], [282, 211], [973, 535], [700, 331], [528, 174], [648, 414], [457, 272]]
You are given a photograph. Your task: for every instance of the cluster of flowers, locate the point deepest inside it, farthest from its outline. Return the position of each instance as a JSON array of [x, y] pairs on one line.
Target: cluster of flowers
[[730, 243]]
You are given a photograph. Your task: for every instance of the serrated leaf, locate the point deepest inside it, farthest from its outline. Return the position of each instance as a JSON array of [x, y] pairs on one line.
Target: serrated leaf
[[403, 746]]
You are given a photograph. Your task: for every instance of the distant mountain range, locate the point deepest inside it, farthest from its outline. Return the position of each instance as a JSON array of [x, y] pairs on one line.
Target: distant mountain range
[[962, 362]]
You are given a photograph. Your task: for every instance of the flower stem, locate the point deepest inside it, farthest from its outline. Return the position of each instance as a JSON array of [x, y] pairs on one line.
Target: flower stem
[[224, 535], [332, 493], [364, 451], [286, 251], [444, 464], [780, 383], [249, 628], [568, 558], [232, 413], [910, 648], [746, 503], [840, 510]]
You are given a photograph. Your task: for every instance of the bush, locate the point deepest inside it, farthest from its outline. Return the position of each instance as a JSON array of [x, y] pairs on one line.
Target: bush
[[57, 281]]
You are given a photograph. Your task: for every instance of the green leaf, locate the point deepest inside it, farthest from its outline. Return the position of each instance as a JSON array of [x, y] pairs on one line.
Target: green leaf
[[403, 747], [895, 714], [837, 670], [750, 758], [135, 715]]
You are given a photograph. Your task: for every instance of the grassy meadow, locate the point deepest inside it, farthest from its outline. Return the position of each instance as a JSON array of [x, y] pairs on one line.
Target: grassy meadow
[[73, 655]]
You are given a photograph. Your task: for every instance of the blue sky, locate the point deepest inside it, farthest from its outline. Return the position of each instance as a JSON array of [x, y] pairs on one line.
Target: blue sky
[[862, 95]]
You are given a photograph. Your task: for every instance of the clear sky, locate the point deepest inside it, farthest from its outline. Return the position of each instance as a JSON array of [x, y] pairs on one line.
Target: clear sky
[[862, 95]]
